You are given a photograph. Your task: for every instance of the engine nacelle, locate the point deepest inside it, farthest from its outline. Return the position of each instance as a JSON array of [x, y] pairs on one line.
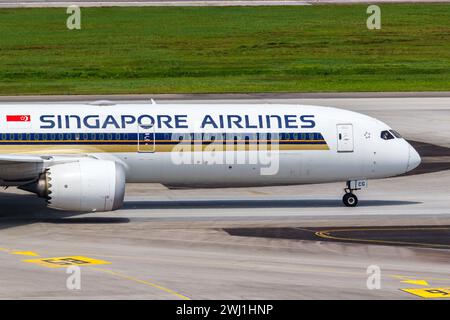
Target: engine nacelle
[[86, 185]]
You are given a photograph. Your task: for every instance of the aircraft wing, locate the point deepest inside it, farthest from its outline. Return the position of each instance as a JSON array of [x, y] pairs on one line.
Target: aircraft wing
[[14, 159], [16, 169]]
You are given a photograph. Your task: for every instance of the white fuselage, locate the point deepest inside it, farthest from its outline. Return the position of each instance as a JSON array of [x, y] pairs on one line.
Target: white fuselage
[[200, 145]]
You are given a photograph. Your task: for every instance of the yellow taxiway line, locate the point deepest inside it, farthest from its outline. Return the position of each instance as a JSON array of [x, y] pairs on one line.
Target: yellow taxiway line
[[154, 285]]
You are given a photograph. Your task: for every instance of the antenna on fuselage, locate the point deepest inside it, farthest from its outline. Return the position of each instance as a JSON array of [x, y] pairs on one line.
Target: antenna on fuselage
[[152, 101], [102, 103]]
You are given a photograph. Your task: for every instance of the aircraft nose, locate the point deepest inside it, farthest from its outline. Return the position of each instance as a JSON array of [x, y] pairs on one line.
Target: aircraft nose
[[413, 160]]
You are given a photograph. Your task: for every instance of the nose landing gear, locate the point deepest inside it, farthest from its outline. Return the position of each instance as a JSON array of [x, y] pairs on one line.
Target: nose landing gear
[[350, 199]]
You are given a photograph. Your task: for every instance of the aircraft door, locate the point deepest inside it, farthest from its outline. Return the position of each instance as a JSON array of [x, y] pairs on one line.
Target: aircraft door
[[146, 137], [345, 137]]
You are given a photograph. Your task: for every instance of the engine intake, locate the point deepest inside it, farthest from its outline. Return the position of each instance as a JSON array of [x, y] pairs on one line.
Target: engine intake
[[86, 185]]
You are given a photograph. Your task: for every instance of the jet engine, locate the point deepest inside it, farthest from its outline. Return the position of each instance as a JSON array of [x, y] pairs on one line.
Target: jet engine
[[86, 185]]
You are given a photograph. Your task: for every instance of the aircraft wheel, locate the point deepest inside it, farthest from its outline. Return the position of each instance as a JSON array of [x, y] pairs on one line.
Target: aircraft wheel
[[350, 200]]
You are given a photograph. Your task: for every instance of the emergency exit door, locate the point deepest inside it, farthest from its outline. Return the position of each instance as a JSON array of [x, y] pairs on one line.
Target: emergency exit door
[[345, 138], [146, 138]]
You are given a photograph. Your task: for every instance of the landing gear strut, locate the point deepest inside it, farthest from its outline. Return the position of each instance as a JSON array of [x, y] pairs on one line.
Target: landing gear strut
[[349, 198]]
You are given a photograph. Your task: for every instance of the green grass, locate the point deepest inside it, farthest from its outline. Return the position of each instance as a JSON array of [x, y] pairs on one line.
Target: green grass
[[233, 49]]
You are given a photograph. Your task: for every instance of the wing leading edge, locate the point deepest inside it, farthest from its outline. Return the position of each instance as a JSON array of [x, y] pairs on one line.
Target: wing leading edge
[[16, 169]]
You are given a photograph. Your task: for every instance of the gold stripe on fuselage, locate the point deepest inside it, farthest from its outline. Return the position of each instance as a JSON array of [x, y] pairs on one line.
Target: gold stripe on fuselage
[[121, 148]]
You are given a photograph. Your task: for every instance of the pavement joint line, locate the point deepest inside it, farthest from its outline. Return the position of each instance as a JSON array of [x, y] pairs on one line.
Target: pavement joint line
[[219, 242], [326, 234], [154, 285]]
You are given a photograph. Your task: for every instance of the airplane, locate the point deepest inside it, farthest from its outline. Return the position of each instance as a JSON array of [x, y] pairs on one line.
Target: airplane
[[78, 157]]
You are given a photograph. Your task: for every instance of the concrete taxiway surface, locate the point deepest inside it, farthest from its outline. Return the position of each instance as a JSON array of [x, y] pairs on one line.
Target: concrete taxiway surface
[[295, 242]]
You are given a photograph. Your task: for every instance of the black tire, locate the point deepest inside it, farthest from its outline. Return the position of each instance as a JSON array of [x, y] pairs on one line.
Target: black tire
[[350, 200]]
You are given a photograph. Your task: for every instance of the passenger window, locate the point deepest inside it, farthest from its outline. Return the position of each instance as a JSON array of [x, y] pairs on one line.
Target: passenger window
[[198, 138], [208, 137], [261, 137], [386, 135]]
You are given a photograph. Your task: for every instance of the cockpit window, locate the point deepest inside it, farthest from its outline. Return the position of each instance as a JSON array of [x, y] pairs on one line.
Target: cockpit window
[[396, 134], [386, 135]]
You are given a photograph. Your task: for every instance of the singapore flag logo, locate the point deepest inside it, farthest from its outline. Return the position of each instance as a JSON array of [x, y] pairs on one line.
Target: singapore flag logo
[[18, 121]]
